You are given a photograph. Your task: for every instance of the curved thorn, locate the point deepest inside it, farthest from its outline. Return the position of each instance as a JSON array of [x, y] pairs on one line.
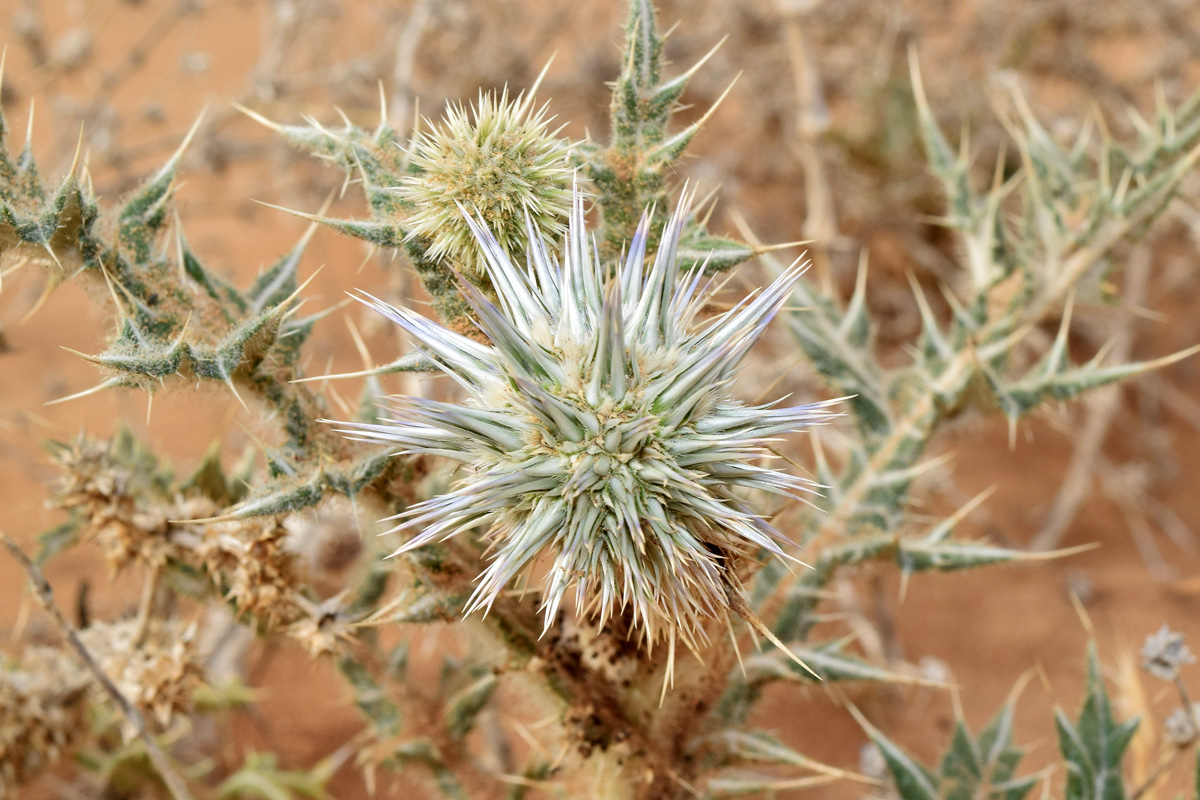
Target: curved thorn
[[105, 384], [259, 118]]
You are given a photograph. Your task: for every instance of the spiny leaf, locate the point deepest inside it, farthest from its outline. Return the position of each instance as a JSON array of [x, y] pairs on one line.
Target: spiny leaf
[[913, 780], [260, 776], [760, 746], [828, 660], [972, 768], [293, 492], [423, 751], [463, 708], [57, 539], [1094, 746], [371, 699]]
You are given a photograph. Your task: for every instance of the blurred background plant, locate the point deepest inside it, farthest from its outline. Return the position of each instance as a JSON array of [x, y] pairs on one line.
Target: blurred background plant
[[1056, 228]]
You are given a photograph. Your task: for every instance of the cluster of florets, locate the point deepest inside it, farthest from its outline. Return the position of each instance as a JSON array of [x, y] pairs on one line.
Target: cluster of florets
[[256, 563], [43, 714], [600, 429], [500, 159], [1165, 653], [45, 698], [155, 664]]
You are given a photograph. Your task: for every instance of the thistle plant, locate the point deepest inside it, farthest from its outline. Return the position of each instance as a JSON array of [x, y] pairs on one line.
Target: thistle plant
[[606, 456], [601, 427]]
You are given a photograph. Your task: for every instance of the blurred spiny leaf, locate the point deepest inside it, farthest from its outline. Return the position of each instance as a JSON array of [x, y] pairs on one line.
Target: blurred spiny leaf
[[57, 539], [972, 768], [464, 707], [371, 699], [1094, 745], [424, 752], [260, 776], [830, 661], [1018, 271]]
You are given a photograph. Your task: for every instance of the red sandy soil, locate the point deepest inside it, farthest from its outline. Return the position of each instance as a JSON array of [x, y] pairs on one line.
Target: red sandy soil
[[989, 627]]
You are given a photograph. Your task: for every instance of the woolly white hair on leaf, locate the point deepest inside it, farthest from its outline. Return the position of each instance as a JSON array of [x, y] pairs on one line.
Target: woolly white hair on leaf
[[600, 430]]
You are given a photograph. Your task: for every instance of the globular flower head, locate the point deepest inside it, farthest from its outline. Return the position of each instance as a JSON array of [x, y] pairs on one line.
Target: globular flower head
[[600, 429], [501, 160], [1164, 654]]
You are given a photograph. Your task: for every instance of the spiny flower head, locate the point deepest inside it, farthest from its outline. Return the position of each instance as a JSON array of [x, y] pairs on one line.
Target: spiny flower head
[[501, 160], [600, 429]]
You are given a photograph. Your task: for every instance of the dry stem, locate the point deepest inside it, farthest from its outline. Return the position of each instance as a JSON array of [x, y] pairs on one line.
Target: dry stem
[[45, 596], [812, 120]]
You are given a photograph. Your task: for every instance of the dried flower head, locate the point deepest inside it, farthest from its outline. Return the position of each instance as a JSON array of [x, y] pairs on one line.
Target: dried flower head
[[1164, 654], [325, 629], [1180, 726], [259, 569], [120, 508], [157, 669], [502, 161], [601, 429], [43, 714], [95, 486]]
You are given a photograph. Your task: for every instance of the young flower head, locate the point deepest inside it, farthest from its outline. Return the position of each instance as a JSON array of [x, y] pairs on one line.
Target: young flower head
[[504, 163], [600, 429]]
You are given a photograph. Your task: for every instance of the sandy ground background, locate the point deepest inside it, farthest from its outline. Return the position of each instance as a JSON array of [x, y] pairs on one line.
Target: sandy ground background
[[135, 75]]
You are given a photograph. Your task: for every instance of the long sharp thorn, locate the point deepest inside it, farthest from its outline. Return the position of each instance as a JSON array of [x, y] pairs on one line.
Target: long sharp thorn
[[284, 303], [50, 284], [259, 118], [733, 639], [78, 152], [302, 214], [359, 344], [687, 75], [229, 382], [958, 516], [53, 255], [360, 374], [771, 248], [105, 384], [182, 331], [541, 75], [29, 126], [177, 156], [738, 604]]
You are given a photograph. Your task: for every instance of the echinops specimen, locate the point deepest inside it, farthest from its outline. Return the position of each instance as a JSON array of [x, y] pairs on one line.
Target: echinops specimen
[[600, 428]]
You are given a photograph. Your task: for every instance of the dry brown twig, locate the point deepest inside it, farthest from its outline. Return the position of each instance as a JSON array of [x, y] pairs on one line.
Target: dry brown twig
[[812, 121], [45, 596], [402, 69]]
